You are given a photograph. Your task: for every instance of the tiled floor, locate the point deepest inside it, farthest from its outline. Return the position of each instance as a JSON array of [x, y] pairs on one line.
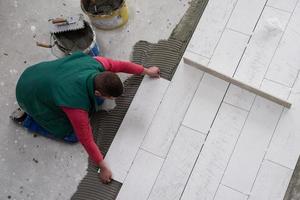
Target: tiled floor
[[204, 139]]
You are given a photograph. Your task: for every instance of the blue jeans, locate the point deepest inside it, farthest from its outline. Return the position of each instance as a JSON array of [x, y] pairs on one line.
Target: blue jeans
[[33, 126]]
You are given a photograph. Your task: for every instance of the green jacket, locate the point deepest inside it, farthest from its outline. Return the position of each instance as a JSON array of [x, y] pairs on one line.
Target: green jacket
[[69, 81]]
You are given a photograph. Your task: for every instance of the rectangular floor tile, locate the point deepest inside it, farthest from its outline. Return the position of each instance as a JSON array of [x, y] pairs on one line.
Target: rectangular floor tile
[[228, 52], [262, 46], [284, 148], [225, 193], [271, 182], [211, 26], [142, 175], [239, 97], [178, 165], [215, 154], [251, 146], [275, 89], [134, 126], [172, 110], [285, 65], [245, 15], [205, 104]]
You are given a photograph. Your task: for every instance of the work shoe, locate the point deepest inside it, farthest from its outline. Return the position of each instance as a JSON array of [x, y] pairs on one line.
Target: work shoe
[[18, 116]]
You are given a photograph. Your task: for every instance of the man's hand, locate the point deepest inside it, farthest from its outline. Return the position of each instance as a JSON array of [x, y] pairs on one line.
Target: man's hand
[[105, 173], [153, 72]]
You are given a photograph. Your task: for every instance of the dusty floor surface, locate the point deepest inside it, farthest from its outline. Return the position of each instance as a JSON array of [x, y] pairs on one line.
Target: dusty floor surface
[[36, 167]]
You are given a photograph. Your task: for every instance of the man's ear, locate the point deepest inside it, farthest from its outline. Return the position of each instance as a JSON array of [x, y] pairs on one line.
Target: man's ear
[[97, 93]]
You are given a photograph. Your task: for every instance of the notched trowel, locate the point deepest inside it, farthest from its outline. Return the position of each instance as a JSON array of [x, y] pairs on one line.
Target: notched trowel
[[70, 23], [61, 24]]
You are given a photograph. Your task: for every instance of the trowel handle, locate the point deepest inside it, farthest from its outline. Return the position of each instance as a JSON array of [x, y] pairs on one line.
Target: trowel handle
[[58, 20], [40, 44]]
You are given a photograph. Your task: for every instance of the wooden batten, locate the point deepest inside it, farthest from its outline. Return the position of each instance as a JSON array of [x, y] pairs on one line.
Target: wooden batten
[[237, 83]]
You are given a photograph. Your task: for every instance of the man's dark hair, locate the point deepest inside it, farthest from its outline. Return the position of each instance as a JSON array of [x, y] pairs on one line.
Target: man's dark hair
[[109, 84]]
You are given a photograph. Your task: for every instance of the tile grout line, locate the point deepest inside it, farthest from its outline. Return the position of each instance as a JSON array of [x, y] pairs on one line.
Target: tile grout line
[[193, 129], [191, 51], [278, 164], [241, 131], [231, 29], [242, 56], [213, 121], [143, 149], [235, 189], [240, 108], [287, 11]]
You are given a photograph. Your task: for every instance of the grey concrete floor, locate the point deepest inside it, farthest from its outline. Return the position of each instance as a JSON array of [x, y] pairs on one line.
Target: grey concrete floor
[[37, 167]]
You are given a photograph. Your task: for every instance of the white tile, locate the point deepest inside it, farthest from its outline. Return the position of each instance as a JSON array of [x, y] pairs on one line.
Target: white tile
[[239, 97], [286, 62], [228, 52], [211, 26], [215, 154], [225, 193], [134, 126], [284, 148], [196, 57], [287, 5], [251, 146], [211, 90], [275, 89], [142, 175], [205, 104], [245, 15], [172, 110], [271, 182], [178, 165], [262, 46]]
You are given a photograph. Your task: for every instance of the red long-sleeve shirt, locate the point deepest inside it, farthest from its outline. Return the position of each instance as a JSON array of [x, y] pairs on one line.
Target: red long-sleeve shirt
[[79, 118]]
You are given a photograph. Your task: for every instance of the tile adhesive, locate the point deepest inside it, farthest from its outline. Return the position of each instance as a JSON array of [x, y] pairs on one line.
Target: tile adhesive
[[166, 54]]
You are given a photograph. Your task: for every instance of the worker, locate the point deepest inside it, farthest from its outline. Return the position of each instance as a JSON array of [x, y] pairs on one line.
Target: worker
[[57, 97]]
